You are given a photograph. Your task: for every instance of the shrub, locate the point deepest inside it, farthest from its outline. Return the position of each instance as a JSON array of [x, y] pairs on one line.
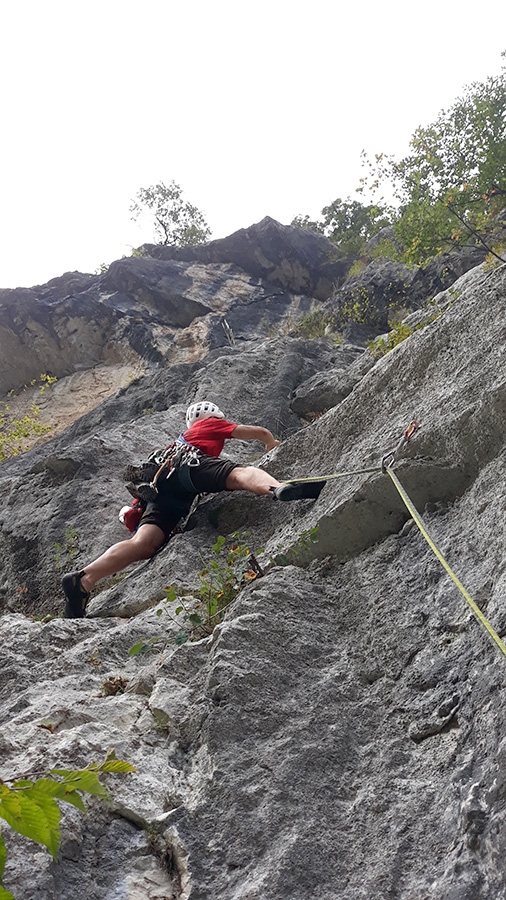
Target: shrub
[[400, 331], [220, 580], [314, 325]]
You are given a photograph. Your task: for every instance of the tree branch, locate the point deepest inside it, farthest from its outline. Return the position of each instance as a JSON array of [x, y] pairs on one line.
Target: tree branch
[[473, 232]]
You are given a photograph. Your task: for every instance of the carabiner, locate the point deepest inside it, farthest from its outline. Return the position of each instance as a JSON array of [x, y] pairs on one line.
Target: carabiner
[[391, 459]]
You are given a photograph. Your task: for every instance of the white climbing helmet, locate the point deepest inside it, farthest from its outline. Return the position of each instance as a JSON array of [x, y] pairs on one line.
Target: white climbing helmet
[[203, 410]]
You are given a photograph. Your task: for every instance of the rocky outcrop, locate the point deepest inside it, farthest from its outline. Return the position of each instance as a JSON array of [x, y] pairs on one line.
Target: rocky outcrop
[[42, 333], [363, 306], [329, 386], [174, 308], [440, 273], [161, 287], [367, 303], [165, 310], [300, 260], [340, 732]]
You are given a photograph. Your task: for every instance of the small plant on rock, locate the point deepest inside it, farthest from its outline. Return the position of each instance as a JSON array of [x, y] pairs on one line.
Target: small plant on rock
[[115, 684], [298, 551], [382, 345], [495, 258], [400, 331], [231, 567], [63, 554], [15, 431], [314, 324]]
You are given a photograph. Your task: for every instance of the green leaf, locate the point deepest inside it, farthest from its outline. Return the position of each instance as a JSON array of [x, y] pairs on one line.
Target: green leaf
[[83, 780], [179, 609], [10, 800], [170, 594], [3, 856], [181, 637], [136, 648], [74, 799], [43, 792], [48, 787], [35, 819], [219, 544], [116, 765], [5, 895], [195, 619]]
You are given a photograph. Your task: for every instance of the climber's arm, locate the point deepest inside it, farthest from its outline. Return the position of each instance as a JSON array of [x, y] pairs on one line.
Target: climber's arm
[[255, 433]]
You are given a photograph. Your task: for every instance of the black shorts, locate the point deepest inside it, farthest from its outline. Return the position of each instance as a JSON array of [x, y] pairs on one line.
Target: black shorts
[[178, 492], [209, 476]]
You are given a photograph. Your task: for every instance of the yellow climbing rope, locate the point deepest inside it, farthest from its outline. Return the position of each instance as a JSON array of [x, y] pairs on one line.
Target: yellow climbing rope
[[330, 477], [423, 528], [386, 467]]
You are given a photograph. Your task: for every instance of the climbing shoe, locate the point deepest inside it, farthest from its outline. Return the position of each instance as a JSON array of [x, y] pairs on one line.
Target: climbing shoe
[[76, 596], [146, 492], [140, 474], [308, 490]]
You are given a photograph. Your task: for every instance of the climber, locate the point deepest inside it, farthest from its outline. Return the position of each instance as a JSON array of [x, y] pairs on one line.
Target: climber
[[199, 470]]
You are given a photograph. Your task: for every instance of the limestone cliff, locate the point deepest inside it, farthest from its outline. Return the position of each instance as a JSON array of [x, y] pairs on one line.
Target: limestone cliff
[[340, 733]]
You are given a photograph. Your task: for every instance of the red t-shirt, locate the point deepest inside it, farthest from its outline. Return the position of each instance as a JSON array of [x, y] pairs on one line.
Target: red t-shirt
[[209, 435]]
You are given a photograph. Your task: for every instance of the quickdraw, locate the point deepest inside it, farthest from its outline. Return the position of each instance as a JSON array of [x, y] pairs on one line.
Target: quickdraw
[[389, 458], [176, 455]]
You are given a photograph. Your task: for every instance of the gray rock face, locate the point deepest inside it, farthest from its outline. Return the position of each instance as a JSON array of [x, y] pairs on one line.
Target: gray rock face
[[341, 732], [77, 477], [328, 387], [162, 287], [302, 261], [41, 333], [169, 310]]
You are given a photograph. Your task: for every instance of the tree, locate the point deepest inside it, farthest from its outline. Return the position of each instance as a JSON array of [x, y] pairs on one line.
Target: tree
[[177, 222], [348, 223], [308, 224], [452, 182]]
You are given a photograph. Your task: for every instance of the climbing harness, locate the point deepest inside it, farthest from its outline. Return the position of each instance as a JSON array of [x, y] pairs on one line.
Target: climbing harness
[[161, 464], [178, 454]]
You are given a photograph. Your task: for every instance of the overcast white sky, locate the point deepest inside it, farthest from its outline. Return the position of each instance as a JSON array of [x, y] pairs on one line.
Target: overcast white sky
[[254, 108]]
